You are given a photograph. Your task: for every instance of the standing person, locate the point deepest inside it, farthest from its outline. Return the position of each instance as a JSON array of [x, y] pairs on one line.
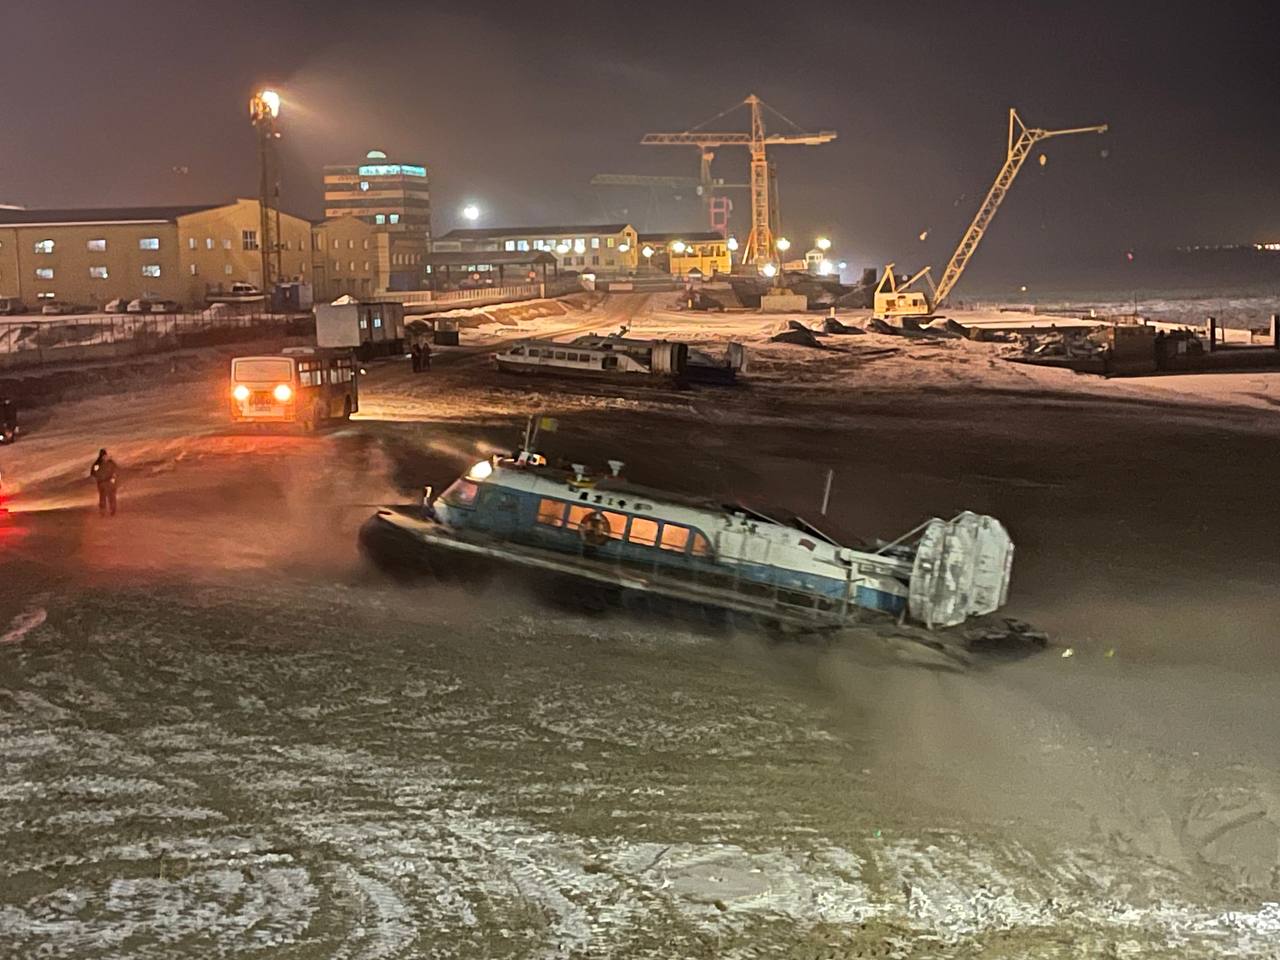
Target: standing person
[[426, 356], [416, 355], [106, 474]]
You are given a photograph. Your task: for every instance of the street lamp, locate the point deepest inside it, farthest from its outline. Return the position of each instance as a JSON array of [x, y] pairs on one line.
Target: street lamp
[[623, 247], [679, 247], [823, 244], [769, 270], [783, 244], [733, 244], [264, 108], [471, 212]]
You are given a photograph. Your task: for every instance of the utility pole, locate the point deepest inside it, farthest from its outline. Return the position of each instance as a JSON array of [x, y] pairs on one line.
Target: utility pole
[[264, 108]]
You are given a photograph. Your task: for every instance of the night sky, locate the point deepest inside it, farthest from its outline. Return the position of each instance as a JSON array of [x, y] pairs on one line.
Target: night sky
[[516, 105]]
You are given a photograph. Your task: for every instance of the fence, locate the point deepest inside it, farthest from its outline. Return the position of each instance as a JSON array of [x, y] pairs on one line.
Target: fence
[[35, 341], [423, 301]]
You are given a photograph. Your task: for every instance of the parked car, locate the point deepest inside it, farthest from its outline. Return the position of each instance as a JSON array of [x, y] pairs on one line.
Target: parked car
[[240, 288], [54, 308], [144, 305], [118, 305], [11, 305]]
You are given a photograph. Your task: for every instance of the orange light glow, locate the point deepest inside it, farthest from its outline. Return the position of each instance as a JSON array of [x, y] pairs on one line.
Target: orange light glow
[[241, 392], [283, 392]]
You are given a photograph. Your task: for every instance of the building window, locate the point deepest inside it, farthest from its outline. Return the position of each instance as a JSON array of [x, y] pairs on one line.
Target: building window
[[352, 266], [394, 218], [43, 246], [191, 243], [508, 245], [337, 266], [44, 273], [288, 244], [208, 243], [579, 245], [377, 321], [249, 239], [523, 246], [366, 266], [226, 268], [365, 244], [98, 273], [364, 184], [95, 245], [148, 243], [595, 243], [151, 269], [226, 244], [608, 242], [45, 295], [351, 244], [595, 261], [195, 271], [379, 218]]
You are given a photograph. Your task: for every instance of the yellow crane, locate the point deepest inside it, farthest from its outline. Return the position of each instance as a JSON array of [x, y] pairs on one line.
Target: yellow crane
[[759, 245], [893, 299]]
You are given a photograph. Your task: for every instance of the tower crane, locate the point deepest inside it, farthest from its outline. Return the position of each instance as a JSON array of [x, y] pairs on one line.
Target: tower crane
[[900, 300], [759, 245]]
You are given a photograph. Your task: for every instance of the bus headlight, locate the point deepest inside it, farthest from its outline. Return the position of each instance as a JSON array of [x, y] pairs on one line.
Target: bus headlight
[[283, 392], [241, 392]]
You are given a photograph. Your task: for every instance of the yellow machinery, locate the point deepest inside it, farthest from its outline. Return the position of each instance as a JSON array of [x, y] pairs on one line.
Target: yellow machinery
[[900, 300], [759, 246]]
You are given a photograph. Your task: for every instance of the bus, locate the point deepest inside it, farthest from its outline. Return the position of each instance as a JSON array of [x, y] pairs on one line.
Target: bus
[[306, 386]]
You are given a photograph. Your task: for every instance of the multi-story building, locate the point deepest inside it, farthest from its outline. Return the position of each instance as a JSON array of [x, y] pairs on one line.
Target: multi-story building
[[351, 256], [92, 256], [395, 196], [608, 248], [683, 253]]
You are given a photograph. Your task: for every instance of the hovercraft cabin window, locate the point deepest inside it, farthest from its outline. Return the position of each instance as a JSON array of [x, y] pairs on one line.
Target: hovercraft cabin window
[[551, 512], [615, 523], [461, 493]]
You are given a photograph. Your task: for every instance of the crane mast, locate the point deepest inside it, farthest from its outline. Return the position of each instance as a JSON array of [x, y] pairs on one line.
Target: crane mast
[[1019, 148]]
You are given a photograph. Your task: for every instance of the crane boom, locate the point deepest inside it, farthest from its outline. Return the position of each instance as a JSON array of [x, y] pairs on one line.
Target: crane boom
[[1019, 148]]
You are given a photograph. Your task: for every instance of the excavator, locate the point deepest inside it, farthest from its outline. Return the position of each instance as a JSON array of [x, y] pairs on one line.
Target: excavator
[[897, 298]]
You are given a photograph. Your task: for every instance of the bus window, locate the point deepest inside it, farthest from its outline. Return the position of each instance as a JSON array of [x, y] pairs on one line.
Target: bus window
[[674, 537], [263, 370], [551, 512], [643, 531]]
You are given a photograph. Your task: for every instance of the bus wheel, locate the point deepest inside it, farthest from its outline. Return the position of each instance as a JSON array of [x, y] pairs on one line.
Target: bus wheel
[[346, 409]]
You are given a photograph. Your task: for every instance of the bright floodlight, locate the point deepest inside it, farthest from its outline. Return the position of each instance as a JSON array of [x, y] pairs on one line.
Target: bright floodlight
[[481, 471], [679, 246], [824, 243], [733, 243], [783, 244], [623, 247], [471, 212], [562, 248], [769, 270], [826, 268], [647, 251], [843, 264], [272, 101]]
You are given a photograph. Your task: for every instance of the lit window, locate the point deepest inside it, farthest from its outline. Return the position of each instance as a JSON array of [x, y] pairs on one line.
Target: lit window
[[377, 322], [364, 184], [96, 245], [191, 243], [394, 218], [366, 266], [249, 239], [579, 245], [44, 273], [643, 531], [226, 244], [352, 266], [674, 537], [608, 242], [379, 218], [508, 245], [595, 243], [98, 273], [44, 246], [45, 295], [551, 512], [208, 243], [151, 269], [227, 269], [195, 271], [364, 322], [148, 243], [351, 244], [523, 246], [337, 266], [366, 243]]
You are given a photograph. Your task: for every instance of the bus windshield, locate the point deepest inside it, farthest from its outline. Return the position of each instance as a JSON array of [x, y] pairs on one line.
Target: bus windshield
[[263, 370]]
